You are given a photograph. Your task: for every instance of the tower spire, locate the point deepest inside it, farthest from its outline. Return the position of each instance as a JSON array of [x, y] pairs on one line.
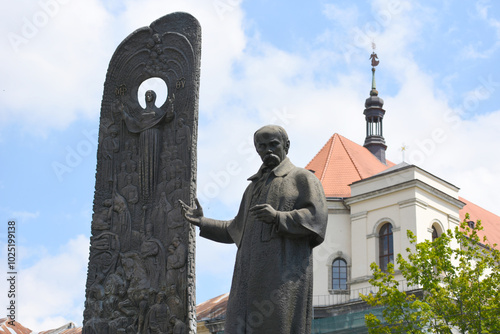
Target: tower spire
[[374, 115], [375, 62]]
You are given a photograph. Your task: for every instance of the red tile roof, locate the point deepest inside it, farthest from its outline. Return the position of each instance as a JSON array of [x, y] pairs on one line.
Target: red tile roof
[[6, 328], [212, 308], [341, 162], [490, 221], [66, 329]]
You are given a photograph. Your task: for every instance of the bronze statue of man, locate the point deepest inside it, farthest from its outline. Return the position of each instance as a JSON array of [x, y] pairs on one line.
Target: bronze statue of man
[[282, 217]]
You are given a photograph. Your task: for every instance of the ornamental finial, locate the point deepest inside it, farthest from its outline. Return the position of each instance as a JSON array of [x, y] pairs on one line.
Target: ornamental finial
[[374, 56]]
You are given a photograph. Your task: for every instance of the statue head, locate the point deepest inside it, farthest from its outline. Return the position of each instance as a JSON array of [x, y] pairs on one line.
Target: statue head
[[272, 144], [176, 241], [150, 97], [110, 286], [160, 297]]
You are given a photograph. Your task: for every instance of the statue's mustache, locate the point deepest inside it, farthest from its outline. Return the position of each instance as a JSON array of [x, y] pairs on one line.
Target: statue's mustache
[[271, 159]]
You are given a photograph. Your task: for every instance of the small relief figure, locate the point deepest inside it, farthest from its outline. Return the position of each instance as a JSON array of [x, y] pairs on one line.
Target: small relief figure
[[143, 306], [116, 114], [170, 185], [183, 139], [130, 146], [122, 220], [174, 302], [178, 327], [127, 307], [153, 257], [96, 294], [171, 258], [134, 173], [133, 147], [180, 252], [176, 262], [104, 256], [146, 123], [157, 320], [179, 192], [126, 152], [131, 194], [111, 290], [122, 176], [119, 324], [169, 130], [178, 165], [95, 325], [134, 272], [127, 157], [102, 218], [165, 157], [174, 217], [130, 191], [110, 146], [162, 186], [160, 212]]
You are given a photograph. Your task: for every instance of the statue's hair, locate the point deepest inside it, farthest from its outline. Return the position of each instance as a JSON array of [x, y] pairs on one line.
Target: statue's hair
[[277, 128]]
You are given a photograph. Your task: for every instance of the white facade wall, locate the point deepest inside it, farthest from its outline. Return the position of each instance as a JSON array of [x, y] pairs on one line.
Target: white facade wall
[[337, 244], [409, 199]]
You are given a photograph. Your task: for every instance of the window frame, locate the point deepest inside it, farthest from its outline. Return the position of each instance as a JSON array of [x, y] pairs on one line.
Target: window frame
[[339, 288], [385, 246]]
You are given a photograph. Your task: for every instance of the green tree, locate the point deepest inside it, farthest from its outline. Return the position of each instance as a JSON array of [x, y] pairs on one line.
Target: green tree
[[455, 287]]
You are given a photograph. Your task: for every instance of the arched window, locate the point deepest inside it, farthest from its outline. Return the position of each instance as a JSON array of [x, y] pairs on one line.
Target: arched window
[[339, 274], [386, 248], [435, 234]]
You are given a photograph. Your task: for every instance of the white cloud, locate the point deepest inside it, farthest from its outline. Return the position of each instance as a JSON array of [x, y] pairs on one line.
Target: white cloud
[[24, 215], [51, 292], [52, 86], [64, 81], [345, 16], [478, 50]]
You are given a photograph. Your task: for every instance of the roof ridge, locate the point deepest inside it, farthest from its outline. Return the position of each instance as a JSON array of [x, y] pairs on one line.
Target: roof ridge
[[328, 157], [350, 157], [321, 149]]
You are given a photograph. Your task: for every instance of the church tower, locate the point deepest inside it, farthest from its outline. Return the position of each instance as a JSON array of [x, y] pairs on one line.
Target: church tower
[[374, 115]]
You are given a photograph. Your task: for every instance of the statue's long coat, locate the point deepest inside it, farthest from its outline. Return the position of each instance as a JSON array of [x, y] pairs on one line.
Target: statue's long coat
[[271, 290]]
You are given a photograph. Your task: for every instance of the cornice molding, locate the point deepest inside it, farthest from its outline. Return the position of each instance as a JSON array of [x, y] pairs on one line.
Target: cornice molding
[[406, 185]]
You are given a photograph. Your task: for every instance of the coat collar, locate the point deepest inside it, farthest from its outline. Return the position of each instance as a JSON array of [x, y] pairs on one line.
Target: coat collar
[[281, 170]]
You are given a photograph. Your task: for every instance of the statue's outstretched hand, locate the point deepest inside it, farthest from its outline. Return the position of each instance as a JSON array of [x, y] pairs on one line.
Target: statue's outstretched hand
[[193, 215]]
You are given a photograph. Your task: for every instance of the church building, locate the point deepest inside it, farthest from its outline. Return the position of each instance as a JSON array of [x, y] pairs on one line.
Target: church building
[[372, 202]]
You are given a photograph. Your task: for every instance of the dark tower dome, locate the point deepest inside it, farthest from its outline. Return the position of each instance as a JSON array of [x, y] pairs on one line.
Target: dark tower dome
[[374, 114]]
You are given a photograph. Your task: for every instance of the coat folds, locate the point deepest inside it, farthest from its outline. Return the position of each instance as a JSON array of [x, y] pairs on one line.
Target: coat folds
[[271, 291]]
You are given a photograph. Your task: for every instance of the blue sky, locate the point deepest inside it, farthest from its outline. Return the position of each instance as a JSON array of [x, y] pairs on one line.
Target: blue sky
[[303, 65]]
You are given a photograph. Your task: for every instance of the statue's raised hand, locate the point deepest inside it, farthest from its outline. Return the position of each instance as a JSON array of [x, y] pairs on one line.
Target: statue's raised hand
[[194, 215]]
